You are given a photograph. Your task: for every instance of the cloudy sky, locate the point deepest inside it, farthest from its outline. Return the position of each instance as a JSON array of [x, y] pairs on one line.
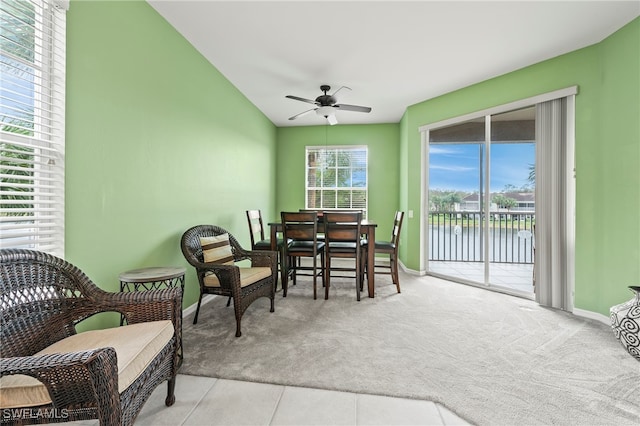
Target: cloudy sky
[[456, 166]]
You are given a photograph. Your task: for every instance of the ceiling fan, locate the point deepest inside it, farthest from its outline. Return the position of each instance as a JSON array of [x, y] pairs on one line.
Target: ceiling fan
[[326, 105]]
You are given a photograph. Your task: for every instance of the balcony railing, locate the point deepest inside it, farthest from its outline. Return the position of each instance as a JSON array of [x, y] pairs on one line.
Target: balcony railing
[[459, 236]]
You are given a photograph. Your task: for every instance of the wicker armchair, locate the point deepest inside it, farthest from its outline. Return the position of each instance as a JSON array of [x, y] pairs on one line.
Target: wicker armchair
[[43, 298], [222, 277]]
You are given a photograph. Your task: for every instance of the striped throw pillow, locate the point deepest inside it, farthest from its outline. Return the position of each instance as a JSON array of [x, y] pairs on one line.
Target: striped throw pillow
[[216, 249]]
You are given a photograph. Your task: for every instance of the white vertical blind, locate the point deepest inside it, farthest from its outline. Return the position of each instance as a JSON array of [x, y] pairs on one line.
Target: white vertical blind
[[554, 221], [32, 120]]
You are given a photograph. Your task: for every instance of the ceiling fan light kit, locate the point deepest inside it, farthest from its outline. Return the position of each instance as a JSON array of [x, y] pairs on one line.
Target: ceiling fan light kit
[[326, 105], [324, 111]]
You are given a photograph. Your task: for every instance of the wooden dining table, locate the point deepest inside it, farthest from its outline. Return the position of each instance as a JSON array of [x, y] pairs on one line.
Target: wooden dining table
[[367, 227]]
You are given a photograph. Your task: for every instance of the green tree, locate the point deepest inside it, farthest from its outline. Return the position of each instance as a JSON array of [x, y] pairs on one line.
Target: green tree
[[532, 175], [445, 200], [503, 201]]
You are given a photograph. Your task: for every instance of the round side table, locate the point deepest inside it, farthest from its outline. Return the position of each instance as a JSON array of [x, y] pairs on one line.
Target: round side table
[[154, 278]]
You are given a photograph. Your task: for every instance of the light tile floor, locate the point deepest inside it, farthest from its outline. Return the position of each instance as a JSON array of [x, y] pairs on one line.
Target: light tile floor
[[209, 401], [514, 276]]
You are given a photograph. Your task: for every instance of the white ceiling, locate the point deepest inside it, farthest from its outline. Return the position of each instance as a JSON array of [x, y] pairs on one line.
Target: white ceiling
[[392, 54]]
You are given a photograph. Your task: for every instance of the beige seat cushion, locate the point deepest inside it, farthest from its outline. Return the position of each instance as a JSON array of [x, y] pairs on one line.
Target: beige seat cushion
[[136, 346], [247, 276]]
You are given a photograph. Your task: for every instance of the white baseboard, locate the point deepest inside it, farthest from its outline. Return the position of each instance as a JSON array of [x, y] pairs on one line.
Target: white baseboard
[[577, 312], [592, 315], [192, 308]]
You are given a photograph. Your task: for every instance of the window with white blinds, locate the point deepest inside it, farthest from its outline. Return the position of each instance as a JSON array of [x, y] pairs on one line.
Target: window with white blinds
[[337, 178], [32, 119]]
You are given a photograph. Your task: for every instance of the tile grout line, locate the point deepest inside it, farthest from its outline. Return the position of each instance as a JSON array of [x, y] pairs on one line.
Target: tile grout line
[[439, 408], [277, 405], [215, 382]]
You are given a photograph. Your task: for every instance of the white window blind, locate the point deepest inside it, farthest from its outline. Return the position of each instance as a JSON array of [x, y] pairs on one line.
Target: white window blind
[[32, 119], [337, 178]]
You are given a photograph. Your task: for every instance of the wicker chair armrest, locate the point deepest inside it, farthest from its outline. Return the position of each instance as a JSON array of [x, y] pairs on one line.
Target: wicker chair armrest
[[228, 275], [88, 378], [145, 306]]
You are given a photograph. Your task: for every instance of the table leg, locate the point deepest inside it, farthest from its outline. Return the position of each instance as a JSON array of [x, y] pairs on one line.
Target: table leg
[[371, 258], [274, 238], [274, 247]]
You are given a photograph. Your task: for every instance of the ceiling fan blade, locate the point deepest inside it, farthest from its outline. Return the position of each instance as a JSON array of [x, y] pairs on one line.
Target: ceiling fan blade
[[301, 99], [332, 119], [356, 108], [302, 113]]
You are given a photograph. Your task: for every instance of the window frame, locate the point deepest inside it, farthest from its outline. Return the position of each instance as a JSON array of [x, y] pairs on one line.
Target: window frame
[[353, 171]]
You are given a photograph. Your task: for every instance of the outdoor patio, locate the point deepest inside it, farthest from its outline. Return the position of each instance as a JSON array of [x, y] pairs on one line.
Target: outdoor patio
[[516, 277]]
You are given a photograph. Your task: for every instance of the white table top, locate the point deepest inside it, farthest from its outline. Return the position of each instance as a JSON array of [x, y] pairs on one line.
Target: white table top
[[154, 273]]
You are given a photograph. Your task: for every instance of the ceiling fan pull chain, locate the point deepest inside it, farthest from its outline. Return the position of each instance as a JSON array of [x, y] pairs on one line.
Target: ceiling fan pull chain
[[341, 87]]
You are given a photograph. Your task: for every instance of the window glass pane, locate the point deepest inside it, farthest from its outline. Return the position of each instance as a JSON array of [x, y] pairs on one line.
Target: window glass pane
[[344, 178], [344, 199], [359, 199], [329, 158], [311, 199], [344, 159], [359, 177], [329, 178], [18, 29], [314, 177], [329, 199]]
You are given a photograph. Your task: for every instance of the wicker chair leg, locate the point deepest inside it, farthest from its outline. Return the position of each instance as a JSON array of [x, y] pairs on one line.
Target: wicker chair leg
[[273, 307], [238, 311], [229, 301], [171, 397], [195, 317]]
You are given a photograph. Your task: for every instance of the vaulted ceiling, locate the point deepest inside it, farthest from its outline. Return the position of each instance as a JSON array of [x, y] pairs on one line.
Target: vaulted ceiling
[[391, 54]]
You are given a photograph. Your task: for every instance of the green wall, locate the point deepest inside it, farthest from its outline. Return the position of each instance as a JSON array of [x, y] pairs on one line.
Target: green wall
[[382, 141], [157, 140], [608, 170], [607, 156]]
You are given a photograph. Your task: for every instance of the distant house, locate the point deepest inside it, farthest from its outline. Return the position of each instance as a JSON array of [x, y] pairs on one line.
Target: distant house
[[526, 202]]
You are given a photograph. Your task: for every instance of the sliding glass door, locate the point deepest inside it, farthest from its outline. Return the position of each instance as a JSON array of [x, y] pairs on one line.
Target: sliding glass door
[[481, 201], [457, 162], [512, 197]]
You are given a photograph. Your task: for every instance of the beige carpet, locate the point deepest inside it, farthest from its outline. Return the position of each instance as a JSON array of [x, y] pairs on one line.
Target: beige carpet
[[491, 358]]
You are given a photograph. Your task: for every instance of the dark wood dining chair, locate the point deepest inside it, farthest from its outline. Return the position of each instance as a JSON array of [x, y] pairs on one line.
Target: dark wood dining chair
[[257, 234], [256, 231], [343, 239], [301, 228], [320, 214], [390, 248]]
